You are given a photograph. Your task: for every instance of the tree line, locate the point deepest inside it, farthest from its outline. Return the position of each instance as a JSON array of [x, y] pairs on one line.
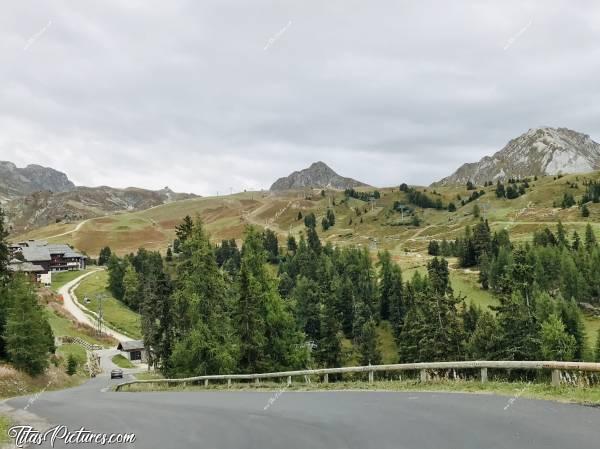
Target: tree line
[[26, 339], [222, 309]]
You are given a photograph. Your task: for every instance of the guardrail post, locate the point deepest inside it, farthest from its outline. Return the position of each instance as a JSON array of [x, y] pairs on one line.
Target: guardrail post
[[206, 382], [556, 378], [326, 378], [424, 375], [229, 382], [484, 375], [289, 380], [371, 376], [257, 381]]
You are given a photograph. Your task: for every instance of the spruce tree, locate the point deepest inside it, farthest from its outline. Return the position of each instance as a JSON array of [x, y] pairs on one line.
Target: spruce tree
[[71, 365], [307, 297], [204, 338], [268, 336], [292, 246], [4, 297], [330, 344], [104, 255], [485, 340], [369, 344], [26, 331], [590, 238], [131, 288], [556, 343], [384, 285]]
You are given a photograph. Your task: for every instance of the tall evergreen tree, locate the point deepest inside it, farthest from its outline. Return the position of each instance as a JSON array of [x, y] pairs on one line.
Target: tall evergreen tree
[[268, 336], [4, 298], [330, 344], [556, 343], [27, 334], [369, 344], [204, 337], [590, 238]]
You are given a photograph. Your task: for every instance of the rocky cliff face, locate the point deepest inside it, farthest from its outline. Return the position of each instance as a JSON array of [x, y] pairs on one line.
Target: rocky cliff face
[[319, 175], [44, 207], [15, 181], [540, 151]]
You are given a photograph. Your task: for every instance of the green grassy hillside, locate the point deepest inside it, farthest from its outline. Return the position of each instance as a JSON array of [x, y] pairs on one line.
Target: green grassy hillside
[[375, 225]]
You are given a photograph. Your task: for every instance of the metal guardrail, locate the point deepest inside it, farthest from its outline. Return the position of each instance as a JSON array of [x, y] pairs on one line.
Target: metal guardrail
[[483, 366]]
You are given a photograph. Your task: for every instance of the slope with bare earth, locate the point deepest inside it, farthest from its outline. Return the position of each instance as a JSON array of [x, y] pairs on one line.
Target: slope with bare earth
[[43, 208]]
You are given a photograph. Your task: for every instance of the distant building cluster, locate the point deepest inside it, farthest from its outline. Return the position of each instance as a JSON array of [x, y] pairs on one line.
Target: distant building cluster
[[39, 259]]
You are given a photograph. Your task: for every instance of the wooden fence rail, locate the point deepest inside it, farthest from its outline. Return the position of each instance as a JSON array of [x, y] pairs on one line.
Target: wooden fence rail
[[423, 368]]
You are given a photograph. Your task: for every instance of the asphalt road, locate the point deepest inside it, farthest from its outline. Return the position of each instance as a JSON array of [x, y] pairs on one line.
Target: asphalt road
[[334, 420]]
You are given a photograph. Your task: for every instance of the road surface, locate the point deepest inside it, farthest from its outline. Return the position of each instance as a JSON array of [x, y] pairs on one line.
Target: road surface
[[78, 313], [333, 420]]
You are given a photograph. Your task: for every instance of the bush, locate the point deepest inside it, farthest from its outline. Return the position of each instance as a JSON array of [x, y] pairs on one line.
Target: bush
[[71, 365]]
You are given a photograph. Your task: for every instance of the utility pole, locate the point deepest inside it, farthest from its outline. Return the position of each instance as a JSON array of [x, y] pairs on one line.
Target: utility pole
[[100, 297]]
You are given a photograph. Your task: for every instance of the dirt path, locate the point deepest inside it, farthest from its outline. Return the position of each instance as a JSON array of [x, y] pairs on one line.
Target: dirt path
[[75, 229], [75, 309]]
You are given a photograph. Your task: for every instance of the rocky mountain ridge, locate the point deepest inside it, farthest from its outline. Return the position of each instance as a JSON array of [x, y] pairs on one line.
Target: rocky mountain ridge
[[318, 176], [539, 151]]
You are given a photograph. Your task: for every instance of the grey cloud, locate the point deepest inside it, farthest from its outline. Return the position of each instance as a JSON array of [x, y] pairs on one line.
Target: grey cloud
[[182, 93]]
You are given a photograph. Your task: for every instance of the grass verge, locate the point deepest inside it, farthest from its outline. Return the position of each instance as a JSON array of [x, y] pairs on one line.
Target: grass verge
[[122, 362], [63, 277], [566, 393], [116, 314], [5, 424]]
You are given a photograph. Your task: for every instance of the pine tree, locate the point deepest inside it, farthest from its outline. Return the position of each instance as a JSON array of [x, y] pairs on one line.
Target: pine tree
[[590, 238], [26, 331], [271, 245], [292, 246], [131, 287], [116, 272], [184, 229], [576, 241], [556, 343], [268, 336], [104, 255], [204, 340], [71, 365], [433, 248], [331, 217], [485, 340], [369, 344], [585, 211], [519, 329], [169, 255], [330, 344], [384, 283], [307, 297], [4, 297]]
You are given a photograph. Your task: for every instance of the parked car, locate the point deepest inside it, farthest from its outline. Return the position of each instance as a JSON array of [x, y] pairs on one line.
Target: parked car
[[116, 374]]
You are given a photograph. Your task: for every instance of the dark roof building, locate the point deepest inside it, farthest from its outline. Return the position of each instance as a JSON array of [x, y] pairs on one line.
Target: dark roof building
[[52, 257]]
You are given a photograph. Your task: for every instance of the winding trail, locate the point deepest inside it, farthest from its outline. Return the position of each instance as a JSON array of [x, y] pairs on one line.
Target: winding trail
[[71, 304]]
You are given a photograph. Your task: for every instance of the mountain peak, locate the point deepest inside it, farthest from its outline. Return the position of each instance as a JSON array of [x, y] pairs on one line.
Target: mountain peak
[[539, 151], [16, 181], [317, 175]]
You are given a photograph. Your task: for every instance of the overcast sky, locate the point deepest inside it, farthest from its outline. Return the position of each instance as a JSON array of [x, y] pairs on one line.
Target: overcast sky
[[204, 96]]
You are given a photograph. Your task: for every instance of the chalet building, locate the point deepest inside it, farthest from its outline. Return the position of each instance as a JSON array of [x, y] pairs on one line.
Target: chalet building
[[133, 350], [36, 273], [50, 257]]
